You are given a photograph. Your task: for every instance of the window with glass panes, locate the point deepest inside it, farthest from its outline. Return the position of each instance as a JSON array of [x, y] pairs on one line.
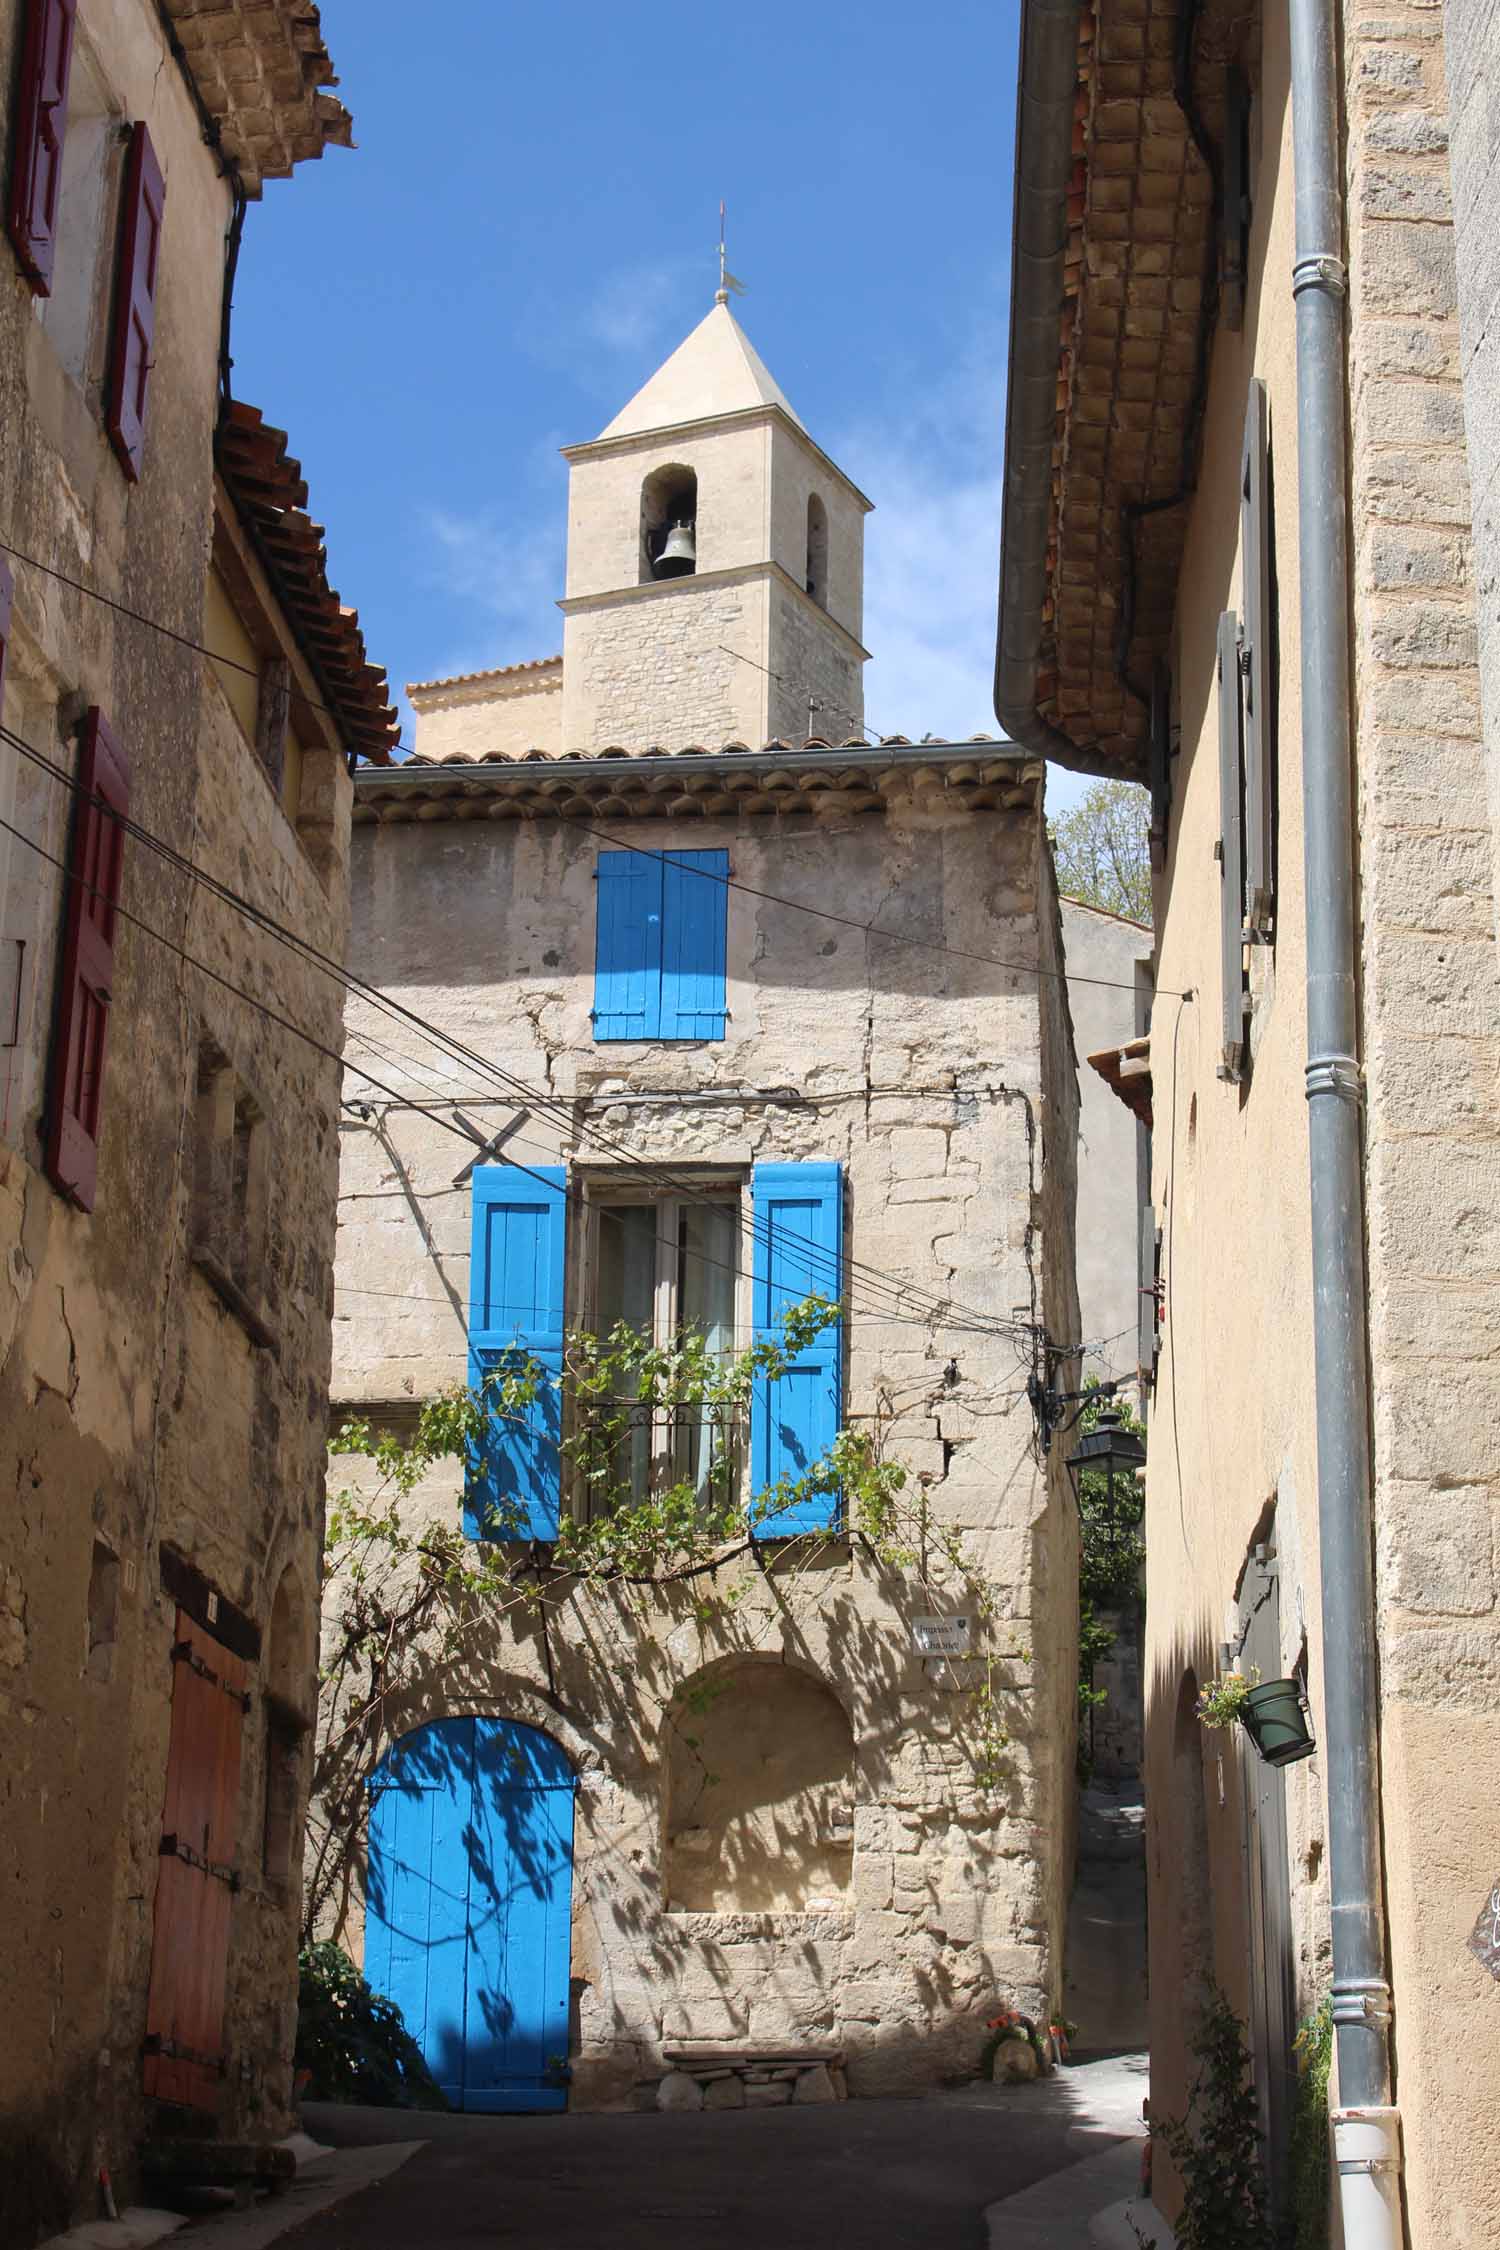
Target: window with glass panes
[[667, 1269]]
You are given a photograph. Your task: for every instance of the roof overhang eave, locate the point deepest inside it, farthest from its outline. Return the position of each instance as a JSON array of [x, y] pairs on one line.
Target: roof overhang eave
[[1039, 242]]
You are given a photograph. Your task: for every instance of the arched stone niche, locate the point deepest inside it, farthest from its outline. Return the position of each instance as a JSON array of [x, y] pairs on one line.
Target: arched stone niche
[[759, 1793]]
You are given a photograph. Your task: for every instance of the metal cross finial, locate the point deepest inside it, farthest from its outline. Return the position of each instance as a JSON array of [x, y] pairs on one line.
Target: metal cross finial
[[727, 280]]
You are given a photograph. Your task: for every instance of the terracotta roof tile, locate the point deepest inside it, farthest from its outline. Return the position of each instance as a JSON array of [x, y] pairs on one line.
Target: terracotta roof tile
[[268, 490], [260, 67]]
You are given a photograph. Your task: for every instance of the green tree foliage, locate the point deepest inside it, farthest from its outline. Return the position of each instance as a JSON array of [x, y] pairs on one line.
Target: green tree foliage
[[1112, 1552], [352, 2044], [1216, 2144], [1103, 852]]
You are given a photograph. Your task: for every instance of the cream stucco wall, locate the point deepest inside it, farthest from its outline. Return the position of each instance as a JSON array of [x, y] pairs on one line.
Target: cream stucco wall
[[1109, 996], [491, 713], [945, 1089], [1231, 1418], [1232, 1426]]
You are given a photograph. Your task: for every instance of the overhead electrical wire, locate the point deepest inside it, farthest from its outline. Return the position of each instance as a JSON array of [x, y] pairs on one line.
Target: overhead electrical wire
[[928, 1307], [823, 914]]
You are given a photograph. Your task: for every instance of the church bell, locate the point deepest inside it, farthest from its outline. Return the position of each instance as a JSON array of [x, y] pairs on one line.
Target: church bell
[[679, 555]]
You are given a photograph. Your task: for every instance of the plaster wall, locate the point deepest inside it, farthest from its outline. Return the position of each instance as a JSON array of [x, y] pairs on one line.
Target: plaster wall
[[1231, 1458], [945, 1088], [1232, 1422], [1108, 991], [797, 472], [135, 1413], [732, 462], [497, 712]]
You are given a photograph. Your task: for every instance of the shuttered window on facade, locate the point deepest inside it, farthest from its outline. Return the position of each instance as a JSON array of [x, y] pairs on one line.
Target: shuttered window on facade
[[38, 125], [196, 1874], [517, 1277], [1256, 670], [86, 976], [660, 945], [795, 1417], [1234, 997], [143, 207]]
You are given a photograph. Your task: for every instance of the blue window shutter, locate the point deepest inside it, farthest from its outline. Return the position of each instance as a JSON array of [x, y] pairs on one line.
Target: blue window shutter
[[627, 946], [695, 906], [799, 1227], [516, 1275]]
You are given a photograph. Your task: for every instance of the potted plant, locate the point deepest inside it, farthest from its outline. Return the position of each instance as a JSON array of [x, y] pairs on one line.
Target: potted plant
[[1273, 1713]]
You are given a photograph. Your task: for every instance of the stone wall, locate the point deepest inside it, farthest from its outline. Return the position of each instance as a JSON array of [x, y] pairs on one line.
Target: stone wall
[[691, 647], [818, 687], [136, 1412], [944, 1087], [1471, 54], [1432, 1044]]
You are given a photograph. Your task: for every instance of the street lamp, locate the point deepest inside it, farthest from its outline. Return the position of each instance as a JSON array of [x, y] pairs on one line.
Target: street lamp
[[1108, 1449]]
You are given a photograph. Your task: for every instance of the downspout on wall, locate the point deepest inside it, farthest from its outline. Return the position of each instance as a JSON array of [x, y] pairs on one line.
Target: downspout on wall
[[1366, 2125]]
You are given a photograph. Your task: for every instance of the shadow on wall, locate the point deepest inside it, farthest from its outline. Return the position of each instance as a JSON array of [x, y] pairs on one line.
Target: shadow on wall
[[412, 885], [1199, 1927], [759, 1792]]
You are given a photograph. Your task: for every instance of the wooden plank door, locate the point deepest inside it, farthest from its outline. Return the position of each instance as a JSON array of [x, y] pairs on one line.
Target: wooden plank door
[[520, 1920], [196, 1874], [417, 1890], [468, 1906]]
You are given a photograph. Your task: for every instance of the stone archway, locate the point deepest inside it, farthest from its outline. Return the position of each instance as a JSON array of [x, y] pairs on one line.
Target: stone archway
[[759, 1793]]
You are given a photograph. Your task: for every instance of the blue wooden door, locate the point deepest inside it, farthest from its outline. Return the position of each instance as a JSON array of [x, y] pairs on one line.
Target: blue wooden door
[[468, 1906]]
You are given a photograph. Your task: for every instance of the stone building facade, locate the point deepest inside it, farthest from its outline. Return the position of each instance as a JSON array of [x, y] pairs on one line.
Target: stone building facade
[[793, 1828], [164, 1316], [1122, 506]]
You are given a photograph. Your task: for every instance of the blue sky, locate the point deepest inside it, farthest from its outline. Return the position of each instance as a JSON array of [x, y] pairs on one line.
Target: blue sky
[[529, 226]]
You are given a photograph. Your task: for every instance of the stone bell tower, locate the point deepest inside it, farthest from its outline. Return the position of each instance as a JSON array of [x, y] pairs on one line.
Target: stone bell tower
[[715, 585]]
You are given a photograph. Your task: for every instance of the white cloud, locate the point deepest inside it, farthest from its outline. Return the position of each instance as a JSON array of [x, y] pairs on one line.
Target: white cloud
[[932, 546]]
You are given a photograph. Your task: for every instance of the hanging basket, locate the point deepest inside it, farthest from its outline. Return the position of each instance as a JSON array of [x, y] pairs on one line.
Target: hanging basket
[[1274, 1716]]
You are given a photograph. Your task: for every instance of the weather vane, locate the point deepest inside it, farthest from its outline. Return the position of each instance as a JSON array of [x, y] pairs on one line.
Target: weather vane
[[727, 282]]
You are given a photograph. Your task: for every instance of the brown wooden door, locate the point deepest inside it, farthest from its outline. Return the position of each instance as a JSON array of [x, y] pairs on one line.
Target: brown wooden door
[[196, 1878]]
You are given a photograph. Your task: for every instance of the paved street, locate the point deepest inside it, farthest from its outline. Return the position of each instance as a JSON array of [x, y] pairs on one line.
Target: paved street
[[887, 2174]]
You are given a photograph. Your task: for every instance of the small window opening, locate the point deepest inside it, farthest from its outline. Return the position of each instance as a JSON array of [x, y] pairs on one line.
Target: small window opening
[[229, 1188], [104, 1612], [76, 311], [669, 523], [817, 550]]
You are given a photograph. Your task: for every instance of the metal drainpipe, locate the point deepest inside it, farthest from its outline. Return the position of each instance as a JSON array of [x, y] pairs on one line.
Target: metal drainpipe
[[1366, 2125]]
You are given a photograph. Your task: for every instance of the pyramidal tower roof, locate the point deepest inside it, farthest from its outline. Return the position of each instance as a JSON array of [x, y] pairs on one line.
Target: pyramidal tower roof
[[716, 370]]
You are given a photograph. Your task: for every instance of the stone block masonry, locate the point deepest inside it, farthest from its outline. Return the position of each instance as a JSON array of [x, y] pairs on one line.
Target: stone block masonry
[[796, 1836]]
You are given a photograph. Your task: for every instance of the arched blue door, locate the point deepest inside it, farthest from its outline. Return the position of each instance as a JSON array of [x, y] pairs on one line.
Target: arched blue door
[[468, 1906]]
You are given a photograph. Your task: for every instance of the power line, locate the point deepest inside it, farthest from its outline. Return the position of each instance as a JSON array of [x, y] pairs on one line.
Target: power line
[[894, 937], [932, 1307]]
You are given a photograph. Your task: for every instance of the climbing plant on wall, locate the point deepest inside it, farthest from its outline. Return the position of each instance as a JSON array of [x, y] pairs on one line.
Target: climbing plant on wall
[[1111, 1555], [408, 1589]]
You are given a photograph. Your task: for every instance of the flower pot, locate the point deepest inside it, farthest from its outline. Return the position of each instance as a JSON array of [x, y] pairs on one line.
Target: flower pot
[[1275, 1718]]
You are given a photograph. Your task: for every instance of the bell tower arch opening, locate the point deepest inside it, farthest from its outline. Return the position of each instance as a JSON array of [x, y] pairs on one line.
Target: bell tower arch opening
[[817, 550], [669, 523]]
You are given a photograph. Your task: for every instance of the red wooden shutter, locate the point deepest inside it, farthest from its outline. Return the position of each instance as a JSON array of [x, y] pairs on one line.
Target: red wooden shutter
[[84, 984], [196, 1876], [135, 301], [36, 152]]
